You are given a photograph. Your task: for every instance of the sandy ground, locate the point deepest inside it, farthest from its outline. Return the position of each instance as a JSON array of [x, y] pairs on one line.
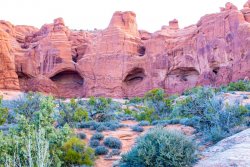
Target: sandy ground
[[128, 138], [10, 94]]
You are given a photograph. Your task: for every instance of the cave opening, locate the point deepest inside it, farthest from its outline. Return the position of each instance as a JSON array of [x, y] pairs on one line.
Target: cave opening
[[23, 79], [135, 76], [68, 77], [141, 50], [69, 83], [216, 70], [187, 74]]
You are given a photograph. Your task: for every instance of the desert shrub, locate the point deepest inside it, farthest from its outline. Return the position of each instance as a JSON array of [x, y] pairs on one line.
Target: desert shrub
[[112, 153], [147, 114], [101, 128], [239, 86], [135, 100], [160, 147], [205, 110], [192, 91], [220, 120], [144, 123], [115, 152], [112, 125], [71, 113], [36, 147], [137, 128], [190, 121], [161, 122], [34, 136], [97, 136], [27, 105], [101, 150], [75, 152], [3, 113], [194, 104], [127, 111], [112, 142], [87, 124], [94, 143], [81, 135], [102, 109], [155, 106], [156, 99]]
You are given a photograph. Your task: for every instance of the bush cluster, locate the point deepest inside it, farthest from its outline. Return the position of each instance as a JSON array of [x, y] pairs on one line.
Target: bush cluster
[[238, 86], [160, 147], [81, 135], [101, 126], [112, 142], [144, 123], [71, 113], [35, 140], [153, 106], [94, 143], [205, 110], [102, 109], [97, 136], [137, 128], [77, 153], [101, 150]]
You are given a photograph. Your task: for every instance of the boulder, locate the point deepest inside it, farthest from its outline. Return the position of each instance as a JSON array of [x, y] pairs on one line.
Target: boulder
[[232, 151]]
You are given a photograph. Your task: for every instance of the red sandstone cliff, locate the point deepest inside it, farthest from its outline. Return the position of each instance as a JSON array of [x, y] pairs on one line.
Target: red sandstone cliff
[[122, 61]]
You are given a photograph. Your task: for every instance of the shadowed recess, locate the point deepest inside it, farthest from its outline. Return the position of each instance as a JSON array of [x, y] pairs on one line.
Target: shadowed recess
[[68, 77], [134, 76]]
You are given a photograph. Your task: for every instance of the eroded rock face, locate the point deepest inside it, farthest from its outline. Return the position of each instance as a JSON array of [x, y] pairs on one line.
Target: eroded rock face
[[8, 76], [122, 61]]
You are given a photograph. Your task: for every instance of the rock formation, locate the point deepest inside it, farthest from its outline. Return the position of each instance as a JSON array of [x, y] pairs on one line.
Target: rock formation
[[8, 76], [122, 61]]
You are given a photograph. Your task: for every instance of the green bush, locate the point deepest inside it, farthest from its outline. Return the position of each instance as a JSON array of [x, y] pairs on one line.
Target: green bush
[[115, 152], [81, 135], [101, 126], [155, 106], [112, 142], [34, 135], [71, 113], [127, 111], [27, 105], [205, 110], [137, 128], [3, 113], [97, 136], [94, 143], [238, 86], [135, 100], [77, 153], [220, 120], [101, 150], [160, 147], [147, 114], [144, 123], [102, 109]]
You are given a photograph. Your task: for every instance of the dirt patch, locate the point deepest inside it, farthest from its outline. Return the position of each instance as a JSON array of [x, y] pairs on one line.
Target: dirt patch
[[128, 138]]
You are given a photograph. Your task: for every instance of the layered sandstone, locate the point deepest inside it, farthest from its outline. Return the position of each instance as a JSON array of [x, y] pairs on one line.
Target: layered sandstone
[[122, 61], [8, 76]]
